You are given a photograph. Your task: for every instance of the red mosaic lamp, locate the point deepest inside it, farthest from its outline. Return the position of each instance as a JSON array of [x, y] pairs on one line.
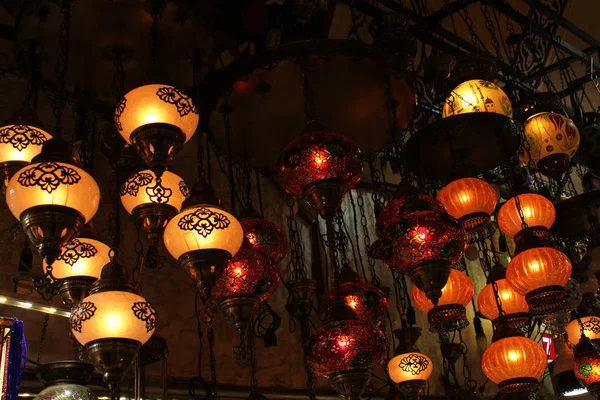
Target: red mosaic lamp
[[407, 200], [587, 365], [263, 235], [320, 166]]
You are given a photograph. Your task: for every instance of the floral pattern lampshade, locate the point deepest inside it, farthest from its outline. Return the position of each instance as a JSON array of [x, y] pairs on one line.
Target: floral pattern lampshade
[[143, 188], [477, 95]]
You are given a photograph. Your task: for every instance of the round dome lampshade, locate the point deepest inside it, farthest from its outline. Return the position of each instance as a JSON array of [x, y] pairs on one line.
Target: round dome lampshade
[[513, 358], [477, 96], [248, 273], [537, 210], [113, 314], [81, 257], [367, 301], [587, 366], [458, 290], [591, 328], [56, 184], [266, 237], [345, 346], [468, 196], [21, 142], [156, 103], [410, 366], [537, 268], [143, 188], [203, 227], [65, 391], [512, 302]]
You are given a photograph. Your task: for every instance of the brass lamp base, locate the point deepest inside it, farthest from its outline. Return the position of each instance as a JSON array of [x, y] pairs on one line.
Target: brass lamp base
[[113, 357], [77, 372], [411, 389], [7, 170], [74, 289], [431, 277], [554, 166], [477, 226], [204, 267], [546, 300], [152, 218], [49, 227], [157, 144], [351, 384], [447, 318], [239, 310], [325, 196], [518, 385]]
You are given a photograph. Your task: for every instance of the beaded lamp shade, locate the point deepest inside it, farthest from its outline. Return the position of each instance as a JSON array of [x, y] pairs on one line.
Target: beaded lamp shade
[[367, 301], [477, 95], [423, 236], [266, 237], [407, 204], [537, 211], [248, 273], [316, 157], [143, 188], [345, 346]]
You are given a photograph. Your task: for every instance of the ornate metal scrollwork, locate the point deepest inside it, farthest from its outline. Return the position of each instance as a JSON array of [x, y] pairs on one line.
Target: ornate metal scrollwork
[[203, 221], [179, 98], [593, 324], [21, 136], [144, 312], [48, 176], [118, 112], [75, 249], [134, 182], [184, 189], [82, 312]]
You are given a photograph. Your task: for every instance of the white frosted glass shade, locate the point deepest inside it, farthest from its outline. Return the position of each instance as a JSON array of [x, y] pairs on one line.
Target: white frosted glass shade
[[156, 103], [20, 142], [410, 366], [477, 95], [203, 227], [81, 257], [113, 314], [142, 188], [53, 183]]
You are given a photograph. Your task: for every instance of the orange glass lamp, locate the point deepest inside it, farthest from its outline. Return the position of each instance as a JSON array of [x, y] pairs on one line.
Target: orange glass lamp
[[156, 119], [471, 201], [450, 313], [515, 363], [113, 322], [514, 306], [203, 236], [550, 141], [153, 201], [538, 213], [591, 329], [53, 198], [477, 95], [409, 368], [540, 275], [21, 139]]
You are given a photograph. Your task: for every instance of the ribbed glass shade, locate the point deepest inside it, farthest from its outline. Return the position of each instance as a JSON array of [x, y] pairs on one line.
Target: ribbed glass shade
[[537, 210], [512, 358], [409, 367], [142, 188], [477, 95], [19, 142], [156, 103], [203, 227], [537, 268], [512, 302], [458, 290], [591, 328], [81, 257], [548, 133], [468, 196], [113, 314], [53, 183]]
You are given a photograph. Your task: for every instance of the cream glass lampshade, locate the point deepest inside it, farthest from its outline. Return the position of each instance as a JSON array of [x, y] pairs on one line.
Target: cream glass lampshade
[[591, 329], [477, 95], [21, 142], [143, 188], [81, 257], [410, 366]]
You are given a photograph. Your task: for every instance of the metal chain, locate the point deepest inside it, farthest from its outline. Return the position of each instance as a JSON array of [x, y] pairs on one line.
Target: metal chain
[[475, 39], [139, 258], [42, 339], [365, 228], [469, 383], [296, 265], [246, 184], [156, 9], [210, 312], [308, 94], [311, 382], [520, 212], [62, 63], [490, 27], [355, 221], [377, 196], [340, 239], [252, 359]]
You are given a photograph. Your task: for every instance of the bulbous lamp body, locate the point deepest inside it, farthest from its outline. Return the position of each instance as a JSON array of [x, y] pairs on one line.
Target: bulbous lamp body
[[156, 103], [142, 188], [537, 210], [410, 366], [477, 95], [512, 302], [591, 328], [65, 391], [407, 204], [266, 237], [346, 345], [21, 142], [367, 301], [81, 257], [248, 273], [514, 358], [458, 290]]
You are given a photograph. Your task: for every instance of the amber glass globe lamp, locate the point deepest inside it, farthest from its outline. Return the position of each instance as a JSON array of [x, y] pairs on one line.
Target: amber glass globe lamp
[[21, 139], [471, 201], [540, 275], [113, 322], [550, 141], [450, 313], [477, 95], [153, 201], [538, 212], [265, 236], [514, 363], [513, 304], [591, 329], [156, 119], [322, 167], [53, 198]]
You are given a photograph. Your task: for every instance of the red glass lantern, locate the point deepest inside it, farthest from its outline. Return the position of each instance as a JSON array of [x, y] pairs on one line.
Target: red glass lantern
[[321, 166], [587, 365], [407, 204], [540, 274], [266, 237]]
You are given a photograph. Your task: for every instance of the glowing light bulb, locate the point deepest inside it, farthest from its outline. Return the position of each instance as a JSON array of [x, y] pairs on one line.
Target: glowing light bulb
[[422, 234], [343, 342], [114, 321], [352, 301], [513, 356], [3, 299], [251, 238], [534, 265], [27, 305], [238, 272]]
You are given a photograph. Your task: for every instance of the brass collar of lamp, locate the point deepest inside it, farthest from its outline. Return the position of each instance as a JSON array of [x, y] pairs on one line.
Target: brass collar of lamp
[[431, 277]]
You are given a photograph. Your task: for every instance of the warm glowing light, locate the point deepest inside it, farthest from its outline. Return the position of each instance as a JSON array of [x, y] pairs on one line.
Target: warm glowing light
[[81, 257], [512, 358], [21, 142], [477, 96], [512, 302], [51, 310], [459, 290], [352, 301], [343, 342], [468, 196], [3, 299], [409, 367], [142, 188], [536, 268], [591, 328], [27, 305], [537, 210], [238, 271]]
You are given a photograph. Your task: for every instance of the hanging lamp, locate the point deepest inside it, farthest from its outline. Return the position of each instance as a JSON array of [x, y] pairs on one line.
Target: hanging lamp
[[263, 235], [409, 368], [591, 329], [587, 365], [65, 380]]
